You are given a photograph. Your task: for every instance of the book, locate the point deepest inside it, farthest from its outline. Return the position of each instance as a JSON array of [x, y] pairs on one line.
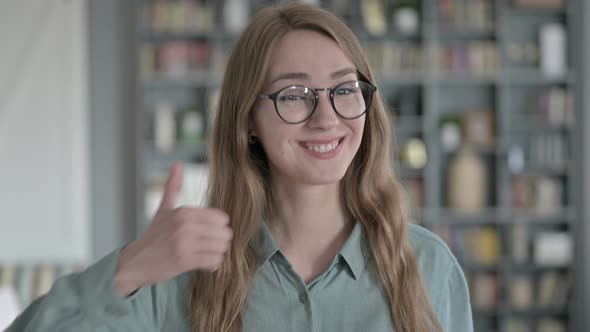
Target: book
[[7, 275], [553, 290], [478, 58], [547, 324], [478, 127], [43, 278], [482, 245], [553, 248], [539, 3], [513, 324], [465, 15], [519, 243], [373, 14], [539, 194], [520, 292], [181, 16], [484, 291]]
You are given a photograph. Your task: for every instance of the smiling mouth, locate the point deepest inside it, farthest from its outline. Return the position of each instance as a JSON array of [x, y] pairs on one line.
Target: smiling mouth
[[323, 148]]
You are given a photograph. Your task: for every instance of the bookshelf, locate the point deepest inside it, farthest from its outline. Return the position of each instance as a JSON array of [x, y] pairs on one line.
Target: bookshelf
[[469, 71]]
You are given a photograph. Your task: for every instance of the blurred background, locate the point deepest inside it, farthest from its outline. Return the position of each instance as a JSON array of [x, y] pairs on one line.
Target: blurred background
[[489, 108]]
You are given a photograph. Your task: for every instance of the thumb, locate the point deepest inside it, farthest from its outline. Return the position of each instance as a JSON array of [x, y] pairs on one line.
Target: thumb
[[172, 187]]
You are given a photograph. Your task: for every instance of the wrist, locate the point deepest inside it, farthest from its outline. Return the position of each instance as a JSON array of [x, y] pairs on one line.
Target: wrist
[[126, 280]]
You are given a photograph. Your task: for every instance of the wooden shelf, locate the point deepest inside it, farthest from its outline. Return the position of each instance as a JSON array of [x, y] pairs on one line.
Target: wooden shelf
[[158, 37], [534, 77], [496, 216], [191, 80], [466, 35]]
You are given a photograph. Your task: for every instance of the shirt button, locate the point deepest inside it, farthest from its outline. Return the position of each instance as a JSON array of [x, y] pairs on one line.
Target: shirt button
[[303, 298]]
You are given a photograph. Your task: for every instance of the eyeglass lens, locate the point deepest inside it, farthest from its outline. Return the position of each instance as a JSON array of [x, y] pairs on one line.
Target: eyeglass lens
[[350, 99]]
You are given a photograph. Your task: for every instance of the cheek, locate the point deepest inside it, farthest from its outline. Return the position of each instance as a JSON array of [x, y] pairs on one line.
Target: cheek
[[357, 126], [277, 137], [265, 118]]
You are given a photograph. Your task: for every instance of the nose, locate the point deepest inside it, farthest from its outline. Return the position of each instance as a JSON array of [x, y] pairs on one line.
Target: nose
[[324, 116]]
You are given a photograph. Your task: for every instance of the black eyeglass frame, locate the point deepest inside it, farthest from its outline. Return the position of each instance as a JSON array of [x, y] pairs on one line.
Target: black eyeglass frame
[[273, 96]]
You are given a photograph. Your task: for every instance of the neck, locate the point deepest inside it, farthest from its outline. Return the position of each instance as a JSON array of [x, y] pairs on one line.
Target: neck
[[309, 220]]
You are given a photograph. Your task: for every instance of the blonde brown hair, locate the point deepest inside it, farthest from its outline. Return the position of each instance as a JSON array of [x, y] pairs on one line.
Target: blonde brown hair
[[239, 182]]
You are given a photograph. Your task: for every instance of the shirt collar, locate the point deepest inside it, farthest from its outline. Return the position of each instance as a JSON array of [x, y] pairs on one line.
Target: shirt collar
[[264, 245], [353, 252]]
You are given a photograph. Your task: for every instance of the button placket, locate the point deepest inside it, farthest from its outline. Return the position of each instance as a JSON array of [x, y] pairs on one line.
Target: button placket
[[303, 298], [115, 311]]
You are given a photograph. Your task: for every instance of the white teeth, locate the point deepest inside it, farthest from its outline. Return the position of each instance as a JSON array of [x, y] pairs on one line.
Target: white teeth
[[322, 148]]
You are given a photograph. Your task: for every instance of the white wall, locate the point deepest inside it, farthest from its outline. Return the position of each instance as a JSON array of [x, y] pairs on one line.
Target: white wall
[[44, 201]]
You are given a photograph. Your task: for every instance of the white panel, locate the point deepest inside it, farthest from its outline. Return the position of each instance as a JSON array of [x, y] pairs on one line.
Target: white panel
[[43, 131]]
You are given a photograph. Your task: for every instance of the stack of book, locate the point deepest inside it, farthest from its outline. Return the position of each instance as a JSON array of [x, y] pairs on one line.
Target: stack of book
[[473, 58], [390, 57], [466, 15], [180, 16], [175, 59]]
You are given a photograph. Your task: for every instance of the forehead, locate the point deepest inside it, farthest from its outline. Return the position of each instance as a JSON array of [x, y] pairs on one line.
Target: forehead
[[309, 52]]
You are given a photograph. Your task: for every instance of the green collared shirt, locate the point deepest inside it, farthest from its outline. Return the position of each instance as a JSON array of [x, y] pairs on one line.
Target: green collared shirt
[[346, 297]]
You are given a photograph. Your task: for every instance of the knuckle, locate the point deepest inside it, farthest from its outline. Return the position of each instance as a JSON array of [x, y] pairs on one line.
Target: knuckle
[[183, 226], [211, 262], [162, 216], [202, 262], [181, 213], [214, 262], [225, 245], [220, 216], [217, 247], [228, 234], [219, 260], [222, 245], [211, 246]]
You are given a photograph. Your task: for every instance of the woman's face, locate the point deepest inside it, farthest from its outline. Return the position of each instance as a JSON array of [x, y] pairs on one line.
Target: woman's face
[[320, 149]]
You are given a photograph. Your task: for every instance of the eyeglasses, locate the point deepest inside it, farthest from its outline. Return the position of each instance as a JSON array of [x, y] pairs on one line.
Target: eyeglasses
[[296, 103]]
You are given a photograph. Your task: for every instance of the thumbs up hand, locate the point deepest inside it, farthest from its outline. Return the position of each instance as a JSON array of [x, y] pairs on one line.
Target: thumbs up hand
[[178, 240]]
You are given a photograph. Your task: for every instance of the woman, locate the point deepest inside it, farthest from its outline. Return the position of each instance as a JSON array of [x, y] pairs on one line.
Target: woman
[[306, 228]]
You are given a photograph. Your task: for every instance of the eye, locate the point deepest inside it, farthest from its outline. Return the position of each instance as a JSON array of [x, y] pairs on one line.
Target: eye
[[292, 97], [345, 91]]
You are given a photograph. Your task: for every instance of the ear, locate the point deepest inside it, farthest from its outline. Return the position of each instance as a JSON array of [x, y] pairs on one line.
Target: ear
[[251, 127]]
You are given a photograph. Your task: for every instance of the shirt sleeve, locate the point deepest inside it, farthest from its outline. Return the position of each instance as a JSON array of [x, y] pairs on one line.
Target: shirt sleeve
[[88, 301], [456, 315]]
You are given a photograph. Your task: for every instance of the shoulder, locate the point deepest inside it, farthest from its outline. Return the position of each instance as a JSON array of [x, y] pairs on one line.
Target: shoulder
[[444, 279], [438, 266], [428, 246], [442, 275]]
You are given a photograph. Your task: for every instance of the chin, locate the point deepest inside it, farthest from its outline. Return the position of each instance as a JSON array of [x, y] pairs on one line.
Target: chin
[[324, 179]]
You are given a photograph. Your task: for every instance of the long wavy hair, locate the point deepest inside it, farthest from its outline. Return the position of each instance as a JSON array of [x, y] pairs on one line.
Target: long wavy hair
[[239, 182]]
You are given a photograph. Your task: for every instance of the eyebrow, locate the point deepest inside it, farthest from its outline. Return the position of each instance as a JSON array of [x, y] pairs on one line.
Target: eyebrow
[[306, 77]]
